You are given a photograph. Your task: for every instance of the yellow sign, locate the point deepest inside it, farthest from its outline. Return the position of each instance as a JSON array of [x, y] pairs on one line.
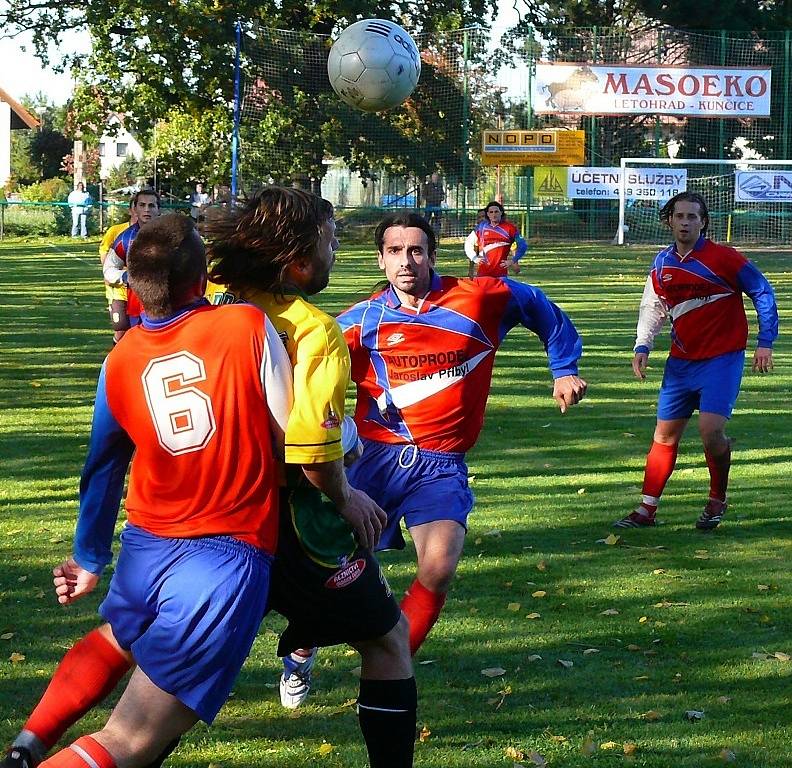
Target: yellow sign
[[553, 145], [550, 182]]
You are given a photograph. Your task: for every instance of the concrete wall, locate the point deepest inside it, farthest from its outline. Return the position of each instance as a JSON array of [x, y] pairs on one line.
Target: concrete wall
[[5, 143]]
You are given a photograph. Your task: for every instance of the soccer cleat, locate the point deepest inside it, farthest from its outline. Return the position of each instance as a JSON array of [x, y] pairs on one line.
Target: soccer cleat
[[295, 682], [635, 519], [712, 515], [18, 757]]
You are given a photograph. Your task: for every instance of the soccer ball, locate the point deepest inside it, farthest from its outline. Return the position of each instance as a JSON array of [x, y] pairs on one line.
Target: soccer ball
[[374, 65]]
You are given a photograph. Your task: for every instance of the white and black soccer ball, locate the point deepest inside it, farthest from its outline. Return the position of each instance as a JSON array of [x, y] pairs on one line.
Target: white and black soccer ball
[[374, 65]]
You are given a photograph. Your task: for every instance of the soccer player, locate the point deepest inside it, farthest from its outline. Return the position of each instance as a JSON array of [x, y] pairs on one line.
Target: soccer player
[[699, 284], [275, 252], [125, 311], [422, 355], [114, 292], [191, 582], [489, 245]]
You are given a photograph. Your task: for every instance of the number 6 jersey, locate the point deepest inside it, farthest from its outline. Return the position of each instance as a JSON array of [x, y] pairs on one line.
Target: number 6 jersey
[[199, 398]]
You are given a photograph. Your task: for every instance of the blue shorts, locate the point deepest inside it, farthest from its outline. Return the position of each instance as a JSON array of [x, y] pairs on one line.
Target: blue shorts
[[188, 610], [711, 386], [417, 485]]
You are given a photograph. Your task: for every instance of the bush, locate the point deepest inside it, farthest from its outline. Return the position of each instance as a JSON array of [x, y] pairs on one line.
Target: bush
[[50, 190]]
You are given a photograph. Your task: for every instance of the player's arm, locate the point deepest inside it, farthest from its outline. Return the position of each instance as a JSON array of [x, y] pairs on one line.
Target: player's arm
[[471, 241], [521, 250], [114, 268], [652, 313], [277, 381], [761, 293], [530, 307], [101, 485]]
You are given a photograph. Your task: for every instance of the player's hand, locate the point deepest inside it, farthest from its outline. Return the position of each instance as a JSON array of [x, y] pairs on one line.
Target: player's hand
[[514, 267], [365, 517], [568, 390], [762, 360], [503, 264], [72, 581], [639, 365]]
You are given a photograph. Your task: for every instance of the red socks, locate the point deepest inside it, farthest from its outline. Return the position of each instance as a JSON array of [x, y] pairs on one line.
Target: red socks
[[86, 674], [660, 463], [84, 753], [422, 608], [719, 473]]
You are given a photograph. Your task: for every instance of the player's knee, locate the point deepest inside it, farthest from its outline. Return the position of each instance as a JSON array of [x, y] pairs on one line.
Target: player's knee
[[714, 440]]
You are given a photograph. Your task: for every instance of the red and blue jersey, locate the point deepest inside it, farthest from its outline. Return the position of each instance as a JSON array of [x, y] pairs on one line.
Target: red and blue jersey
[[188, 396], [702, 293], [491, 244], [423, 375], [121, 248]]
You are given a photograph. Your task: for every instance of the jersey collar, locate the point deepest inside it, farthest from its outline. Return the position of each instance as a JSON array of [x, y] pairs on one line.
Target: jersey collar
[[162, 322], [700, 243]]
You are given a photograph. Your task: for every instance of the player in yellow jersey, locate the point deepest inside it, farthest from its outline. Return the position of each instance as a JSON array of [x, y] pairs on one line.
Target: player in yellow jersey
[[275, 252]]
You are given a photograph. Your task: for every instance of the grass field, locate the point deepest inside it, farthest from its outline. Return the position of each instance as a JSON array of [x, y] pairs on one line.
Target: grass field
[[662, 622]]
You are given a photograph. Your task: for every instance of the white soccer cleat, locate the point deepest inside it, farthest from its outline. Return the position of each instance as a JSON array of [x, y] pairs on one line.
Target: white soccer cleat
[[295, 682]]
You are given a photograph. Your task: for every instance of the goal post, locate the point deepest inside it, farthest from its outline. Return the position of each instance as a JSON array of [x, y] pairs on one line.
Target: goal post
[[749, 201]]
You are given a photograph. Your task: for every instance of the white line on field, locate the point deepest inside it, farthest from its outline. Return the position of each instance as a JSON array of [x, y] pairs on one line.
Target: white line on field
[[69, 253]]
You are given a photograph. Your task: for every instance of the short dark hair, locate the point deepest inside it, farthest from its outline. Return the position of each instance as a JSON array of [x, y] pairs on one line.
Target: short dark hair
[[497, 205], [255, 244], [145, 192], [409, 219], [667, 211], [165, 261]]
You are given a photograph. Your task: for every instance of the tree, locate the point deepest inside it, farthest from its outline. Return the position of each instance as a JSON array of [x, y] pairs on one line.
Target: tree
[[150, 57], [37, 154]]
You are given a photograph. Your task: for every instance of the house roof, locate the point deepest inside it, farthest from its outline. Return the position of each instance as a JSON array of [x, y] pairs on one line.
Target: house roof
[[20, 117]]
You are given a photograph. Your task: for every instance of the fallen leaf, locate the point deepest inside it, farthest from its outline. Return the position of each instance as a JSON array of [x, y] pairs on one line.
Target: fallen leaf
[[35, 384], [723, 699], [610, 612], [758, 655], [508, 584], [629, 748], [541, 566], [643, 619], [16, 658], [565, 663], [658, 571], [477, 540], [633, 647], [701, 556], [727, 756], [581, 491], [694, 715], [763, 587], [494, 533], [428, 661], [534, 616], [325, 749], [514, 753], [558, 739], [536, 759], [781, 656], [627, 434], [641, 677], [651, 715], [493, 672], [589, 651], [608, 745], [514, 607], [612, 539], [538, 593], [6, 635], [534, 657], [424, 735], [22, 578]]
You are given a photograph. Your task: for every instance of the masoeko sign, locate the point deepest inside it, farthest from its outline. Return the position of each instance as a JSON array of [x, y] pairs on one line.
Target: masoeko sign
[[617, 89]]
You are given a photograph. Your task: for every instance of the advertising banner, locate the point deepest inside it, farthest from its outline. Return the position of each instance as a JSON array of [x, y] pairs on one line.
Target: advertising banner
[[763, 186], [552, 146], [641, 183], [605, 89]]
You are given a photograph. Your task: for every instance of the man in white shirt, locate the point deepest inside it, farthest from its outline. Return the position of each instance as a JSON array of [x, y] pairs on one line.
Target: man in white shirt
[[80, 203]]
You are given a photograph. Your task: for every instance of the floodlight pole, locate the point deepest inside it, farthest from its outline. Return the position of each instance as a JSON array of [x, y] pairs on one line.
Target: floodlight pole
[[237, 114]]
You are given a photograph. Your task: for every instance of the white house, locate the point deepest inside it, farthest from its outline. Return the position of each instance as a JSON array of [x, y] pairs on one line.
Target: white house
[[13, 116], [116, 145]]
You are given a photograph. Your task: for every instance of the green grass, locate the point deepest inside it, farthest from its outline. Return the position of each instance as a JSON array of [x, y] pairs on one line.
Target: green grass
[[548, 487]]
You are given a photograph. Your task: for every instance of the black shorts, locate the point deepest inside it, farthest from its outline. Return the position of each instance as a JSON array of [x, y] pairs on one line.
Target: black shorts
[[349, 603]]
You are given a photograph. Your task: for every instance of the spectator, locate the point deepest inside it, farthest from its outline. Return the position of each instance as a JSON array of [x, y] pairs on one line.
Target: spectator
[[80, 203], [198, 201], [433, 194]]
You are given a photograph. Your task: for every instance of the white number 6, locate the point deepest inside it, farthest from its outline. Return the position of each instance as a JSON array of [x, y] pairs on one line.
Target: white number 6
[[182, 414]]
